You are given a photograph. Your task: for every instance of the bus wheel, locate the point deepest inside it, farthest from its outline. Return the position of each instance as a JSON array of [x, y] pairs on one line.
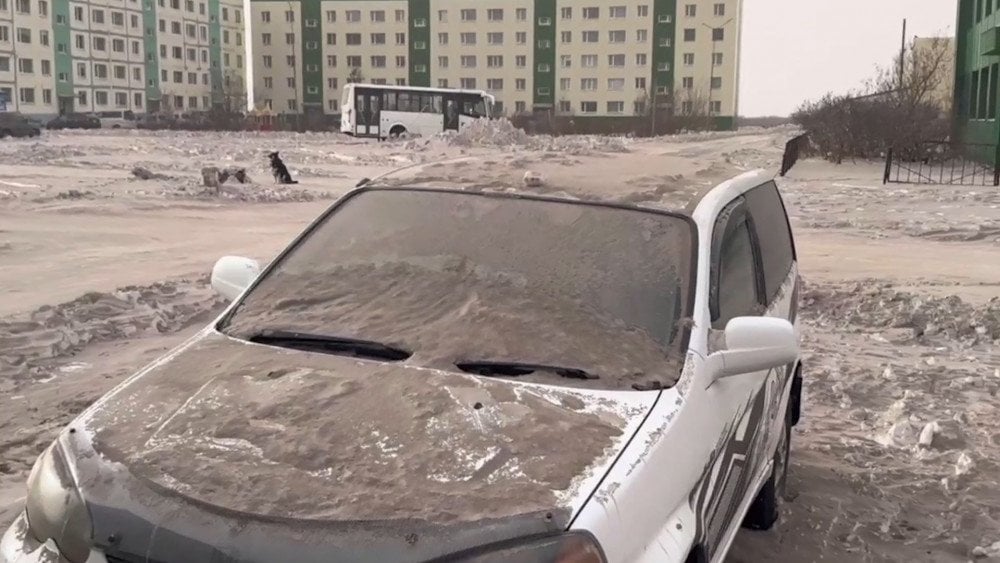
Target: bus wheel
[[397, 132]]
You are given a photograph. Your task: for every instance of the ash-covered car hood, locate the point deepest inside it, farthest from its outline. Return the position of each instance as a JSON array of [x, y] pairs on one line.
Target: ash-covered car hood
[[254, 433]]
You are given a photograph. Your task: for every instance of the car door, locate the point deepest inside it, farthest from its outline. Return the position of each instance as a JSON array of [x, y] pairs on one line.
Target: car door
[[736, 289]]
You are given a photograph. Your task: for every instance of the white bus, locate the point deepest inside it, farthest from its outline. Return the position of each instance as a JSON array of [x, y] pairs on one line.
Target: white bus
[[382, 111]]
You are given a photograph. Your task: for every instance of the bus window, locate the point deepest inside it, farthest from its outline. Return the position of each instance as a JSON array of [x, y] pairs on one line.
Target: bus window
[[431, 103], [474, 107], [390, 101], [408, 102]]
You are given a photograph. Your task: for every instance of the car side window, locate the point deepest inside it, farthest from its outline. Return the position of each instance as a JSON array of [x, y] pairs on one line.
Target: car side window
[[777, 251], [735, 279]]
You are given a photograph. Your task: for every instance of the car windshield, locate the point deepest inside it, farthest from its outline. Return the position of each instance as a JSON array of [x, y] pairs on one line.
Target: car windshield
[[459, 279]]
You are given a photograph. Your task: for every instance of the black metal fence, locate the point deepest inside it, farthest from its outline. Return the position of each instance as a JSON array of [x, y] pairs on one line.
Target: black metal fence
[[943, 162]]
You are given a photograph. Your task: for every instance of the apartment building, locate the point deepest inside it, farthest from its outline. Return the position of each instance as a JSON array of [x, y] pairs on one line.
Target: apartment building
[[102, 55], [597, 58], [977, 75]]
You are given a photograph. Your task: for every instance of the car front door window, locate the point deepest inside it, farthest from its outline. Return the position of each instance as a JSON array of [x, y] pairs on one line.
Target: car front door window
[[734, 276]]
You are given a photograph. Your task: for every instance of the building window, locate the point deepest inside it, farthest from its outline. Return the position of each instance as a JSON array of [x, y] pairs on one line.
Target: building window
[[81, 97], [689, 35], [616, 107], [352, 16], [716, 107], [442, 38], [588, 107], [566, 36], [640, 59], [442, 62], [521, 37], [23, 7], [47, 67], [616, 61], [378, 61], [494, 84], [23, 35], [566, 12], [443, 16], [521, 61], [618, 11], [468, 15], [520, 84], [354, 61], [468, 83], [544, 44], [687, 82], [688, 59], [353, 38], [588, 84], [400, 16], [494, 14], [47, 96], [690, 10], [544, 67], [720, 9], [331, 16], [400, 61], [468, 38], [663, 67], [331, 83], [640, 83], [565, 106], [565, 61], [331, 61], [589, 36], [377, 16], [588, 61], [494, 61], [617, 36], [591, 14], [27, 95], [642, 11], [442, 82], [378, 38], [521, 14], [26, 66], [641, 36], [718, 34], [420, 22], [544, 21], [616, 84], [716, 82], [665, 42], [468, 61], [290, 39], [43, 37], [717, 59], [400, 39], [494, 38], [419, 45], [265, 17], [565, 84], [520, 107], [100, 97]]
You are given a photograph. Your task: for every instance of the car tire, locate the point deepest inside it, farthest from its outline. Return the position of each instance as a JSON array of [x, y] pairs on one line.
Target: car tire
[[763, 513]]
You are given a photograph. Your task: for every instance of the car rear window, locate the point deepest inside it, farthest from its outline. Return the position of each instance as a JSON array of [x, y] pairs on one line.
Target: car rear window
[[774, 234]]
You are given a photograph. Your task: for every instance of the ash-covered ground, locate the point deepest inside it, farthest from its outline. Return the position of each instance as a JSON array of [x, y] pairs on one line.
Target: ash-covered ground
[[896, 458]]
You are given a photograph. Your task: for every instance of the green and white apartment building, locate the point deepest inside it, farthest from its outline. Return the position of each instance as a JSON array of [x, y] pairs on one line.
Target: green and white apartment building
[[593, 58], [117, 55]]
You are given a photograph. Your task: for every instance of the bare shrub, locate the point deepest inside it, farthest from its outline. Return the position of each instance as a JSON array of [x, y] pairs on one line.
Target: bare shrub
[[890, 110]]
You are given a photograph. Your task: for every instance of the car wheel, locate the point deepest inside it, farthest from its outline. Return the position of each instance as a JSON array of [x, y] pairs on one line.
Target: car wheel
[[763, 512]]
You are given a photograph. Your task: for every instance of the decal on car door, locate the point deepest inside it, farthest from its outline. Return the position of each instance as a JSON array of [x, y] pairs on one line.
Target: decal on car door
[[727, 478]]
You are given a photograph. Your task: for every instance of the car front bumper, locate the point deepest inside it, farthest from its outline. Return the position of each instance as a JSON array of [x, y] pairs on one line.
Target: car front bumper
[[17, 546]]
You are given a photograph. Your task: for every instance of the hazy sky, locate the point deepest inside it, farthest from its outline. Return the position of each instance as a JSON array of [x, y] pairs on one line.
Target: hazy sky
[[795, 50]]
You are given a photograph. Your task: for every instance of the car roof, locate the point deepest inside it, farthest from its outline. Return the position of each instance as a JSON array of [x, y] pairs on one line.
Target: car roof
[[631, 179]]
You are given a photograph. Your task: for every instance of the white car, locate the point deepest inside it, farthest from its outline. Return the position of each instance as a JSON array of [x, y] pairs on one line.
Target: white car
[[117, 119], [475, 374]]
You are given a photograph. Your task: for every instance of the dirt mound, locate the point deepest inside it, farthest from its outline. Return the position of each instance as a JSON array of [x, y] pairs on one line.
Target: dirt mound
[[501, 133], [29, 344], [877, 305]]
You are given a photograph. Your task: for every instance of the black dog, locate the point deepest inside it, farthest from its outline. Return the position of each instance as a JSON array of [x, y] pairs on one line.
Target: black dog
[[279, 170]]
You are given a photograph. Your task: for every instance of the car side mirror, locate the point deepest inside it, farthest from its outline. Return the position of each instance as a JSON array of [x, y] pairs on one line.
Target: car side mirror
[[231, 275], [754, 344]]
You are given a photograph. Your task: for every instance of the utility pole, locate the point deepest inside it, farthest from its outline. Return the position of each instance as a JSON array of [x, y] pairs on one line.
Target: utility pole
[[712, 61], [902, 56]]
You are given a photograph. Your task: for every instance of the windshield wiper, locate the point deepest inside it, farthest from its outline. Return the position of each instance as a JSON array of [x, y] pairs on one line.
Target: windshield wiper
[[514, 369], [331, 344]]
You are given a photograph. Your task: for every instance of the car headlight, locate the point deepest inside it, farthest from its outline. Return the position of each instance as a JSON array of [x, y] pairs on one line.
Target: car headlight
[[571, 547], [55, 509]]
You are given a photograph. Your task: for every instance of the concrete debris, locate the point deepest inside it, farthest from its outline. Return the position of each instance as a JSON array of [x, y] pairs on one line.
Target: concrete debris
[[991, 551], [532, 179], [145, 174]]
